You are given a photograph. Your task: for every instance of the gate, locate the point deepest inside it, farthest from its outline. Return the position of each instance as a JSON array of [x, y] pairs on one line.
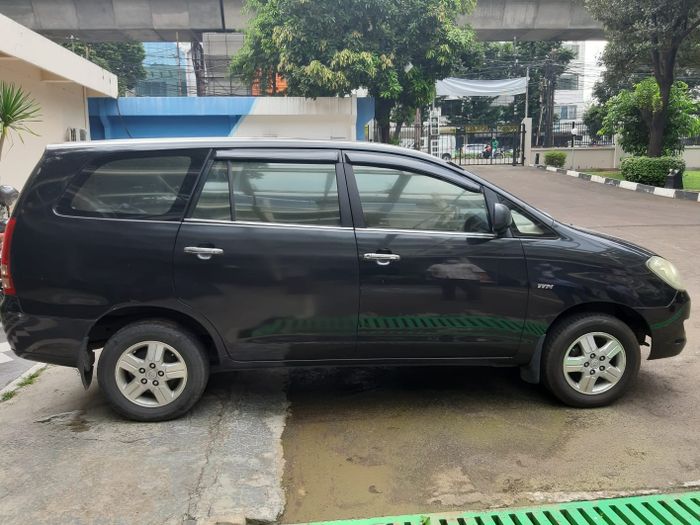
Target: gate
[[468, 145], [475, 144]]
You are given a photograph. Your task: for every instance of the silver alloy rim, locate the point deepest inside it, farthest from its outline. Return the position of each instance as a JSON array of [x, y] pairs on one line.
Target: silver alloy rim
[[594, 363], [151, 374]]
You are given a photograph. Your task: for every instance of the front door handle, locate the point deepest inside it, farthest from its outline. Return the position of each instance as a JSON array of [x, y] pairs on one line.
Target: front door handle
[[202, 252], [382, 259]]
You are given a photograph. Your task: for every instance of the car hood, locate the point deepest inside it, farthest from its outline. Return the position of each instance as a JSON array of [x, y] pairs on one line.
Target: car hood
[[616, 241]]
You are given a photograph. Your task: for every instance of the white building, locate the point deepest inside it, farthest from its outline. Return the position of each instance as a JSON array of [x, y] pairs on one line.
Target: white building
[[59, 81], [574, 92]]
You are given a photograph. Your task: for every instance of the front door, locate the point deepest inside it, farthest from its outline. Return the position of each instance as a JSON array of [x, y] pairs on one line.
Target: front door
[[268, 255], [435, 282]]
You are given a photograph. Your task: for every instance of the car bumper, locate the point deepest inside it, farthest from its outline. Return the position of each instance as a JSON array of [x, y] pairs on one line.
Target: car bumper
[[666, 324], [42, 338]]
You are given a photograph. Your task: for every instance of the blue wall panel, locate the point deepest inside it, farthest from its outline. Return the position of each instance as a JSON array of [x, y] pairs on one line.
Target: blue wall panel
[[152, 117]]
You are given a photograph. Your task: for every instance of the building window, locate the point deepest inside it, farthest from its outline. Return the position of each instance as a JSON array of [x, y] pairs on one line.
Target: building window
[[568, 81], [566, 112]]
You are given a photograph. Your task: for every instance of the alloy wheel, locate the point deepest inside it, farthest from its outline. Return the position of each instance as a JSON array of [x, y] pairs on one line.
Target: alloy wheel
[[151, 374], [594, 363]]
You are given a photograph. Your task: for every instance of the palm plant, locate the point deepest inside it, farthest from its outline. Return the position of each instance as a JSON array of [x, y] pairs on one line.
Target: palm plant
[[17, 110]]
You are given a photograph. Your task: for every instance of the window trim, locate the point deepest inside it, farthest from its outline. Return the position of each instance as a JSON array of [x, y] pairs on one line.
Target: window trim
[[387, 162], [251, 156]]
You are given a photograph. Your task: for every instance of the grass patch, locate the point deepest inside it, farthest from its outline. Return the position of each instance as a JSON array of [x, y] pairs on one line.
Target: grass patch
[[9, 395], [29, 380], [610, 174], [691, 178]]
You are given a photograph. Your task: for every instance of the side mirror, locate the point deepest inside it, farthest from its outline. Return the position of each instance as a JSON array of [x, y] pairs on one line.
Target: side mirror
[[8, 196], [502, 218]]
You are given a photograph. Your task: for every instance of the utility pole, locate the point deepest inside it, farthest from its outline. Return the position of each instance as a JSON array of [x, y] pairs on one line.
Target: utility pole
[[527, 91], [550, 84], [418, 130]]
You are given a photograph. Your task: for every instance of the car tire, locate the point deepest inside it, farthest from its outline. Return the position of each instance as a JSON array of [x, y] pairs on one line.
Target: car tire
[[447, 157], [568, 369], [153, 370]]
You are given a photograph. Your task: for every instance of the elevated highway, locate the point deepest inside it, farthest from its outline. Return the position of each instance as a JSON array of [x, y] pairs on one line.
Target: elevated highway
[[184, 20]]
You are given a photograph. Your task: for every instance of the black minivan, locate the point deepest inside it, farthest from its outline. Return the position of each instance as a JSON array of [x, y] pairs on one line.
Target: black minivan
[[182, 257]]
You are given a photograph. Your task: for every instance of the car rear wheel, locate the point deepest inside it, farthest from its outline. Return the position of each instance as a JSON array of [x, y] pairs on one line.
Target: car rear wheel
[[590, 360], [446, 156], [153, 371]]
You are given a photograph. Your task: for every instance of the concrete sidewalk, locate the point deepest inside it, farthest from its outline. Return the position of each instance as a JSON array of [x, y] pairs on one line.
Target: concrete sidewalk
[[66, 458]]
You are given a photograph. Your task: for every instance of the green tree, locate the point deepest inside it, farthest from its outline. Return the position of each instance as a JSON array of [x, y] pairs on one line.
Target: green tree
[[623, 68], [546, 62], [124, 59], [17, 111], [593, 118], [394, 49], [657, 29], [631, 114]]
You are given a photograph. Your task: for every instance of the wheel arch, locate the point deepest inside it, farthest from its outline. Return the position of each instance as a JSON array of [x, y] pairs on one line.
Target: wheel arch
[[624, 313], [117, 318], [531, 372]]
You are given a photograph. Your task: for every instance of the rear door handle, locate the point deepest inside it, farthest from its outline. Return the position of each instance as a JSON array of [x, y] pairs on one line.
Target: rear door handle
[[202, 252], [382, 259]]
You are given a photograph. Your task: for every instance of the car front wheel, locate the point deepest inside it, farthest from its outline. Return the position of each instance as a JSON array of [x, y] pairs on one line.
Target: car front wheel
[[153, 370], [590, 360]]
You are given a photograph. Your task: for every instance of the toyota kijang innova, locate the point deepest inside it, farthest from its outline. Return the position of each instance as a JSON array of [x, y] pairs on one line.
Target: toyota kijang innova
[[183, 257]]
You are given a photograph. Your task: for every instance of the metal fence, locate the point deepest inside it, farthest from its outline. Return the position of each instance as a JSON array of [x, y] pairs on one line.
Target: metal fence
[[691, 141], [563, 133], [465, 145]]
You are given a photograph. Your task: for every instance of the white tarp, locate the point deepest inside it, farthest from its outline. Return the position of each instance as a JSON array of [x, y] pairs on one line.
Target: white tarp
[[462, 87]]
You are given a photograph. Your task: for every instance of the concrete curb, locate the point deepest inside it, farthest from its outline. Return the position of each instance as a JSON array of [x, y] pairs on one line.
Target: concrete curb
[[14, 385], [627, 185]]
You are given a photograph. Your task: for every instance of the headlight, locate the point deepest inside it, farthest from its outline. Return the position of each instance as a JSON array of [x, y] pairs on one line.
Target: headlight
[[666, 271]]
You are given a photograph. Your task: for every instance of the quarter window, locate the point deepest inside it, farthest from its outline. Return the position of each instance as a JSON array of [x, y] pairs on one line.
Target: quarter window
[[525, 225], [405, 200], [292, 193], [214, 201], [137, 187]]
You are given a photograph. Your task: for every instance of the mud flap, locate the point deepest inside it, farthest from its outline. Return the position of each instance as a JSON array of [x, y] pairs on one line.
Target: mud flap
[[86, 361], [530, 373]]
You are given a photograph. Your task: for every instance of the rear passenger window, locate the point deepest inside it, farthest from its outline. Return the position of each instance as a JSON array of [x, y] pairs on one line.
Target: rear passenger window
[[137, 186], [287, 193]]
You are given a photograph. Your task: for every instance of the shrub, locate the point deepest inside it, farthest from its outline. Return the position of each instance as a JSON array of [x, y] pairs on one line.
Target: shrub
[[650, 170], [555, 158]]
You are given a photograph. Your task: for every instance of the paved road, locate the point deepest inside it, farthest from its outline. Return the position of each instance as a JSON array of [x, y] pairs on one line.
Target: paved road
[[366, 442]]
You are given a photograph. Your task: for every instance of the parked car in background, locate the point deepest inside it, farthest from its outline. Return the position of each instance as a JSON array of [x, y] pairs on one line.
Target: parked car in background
[[180, 258]]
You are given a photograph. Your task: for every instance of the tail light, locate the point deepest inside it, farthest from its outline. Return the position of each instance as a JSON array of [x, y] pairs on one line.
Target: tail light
[[7, 285]]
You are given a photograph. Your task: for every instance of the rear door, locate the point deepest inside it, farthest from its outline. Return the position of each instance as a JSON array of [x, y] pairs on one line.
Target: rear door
[[267, 253], [435, 282]]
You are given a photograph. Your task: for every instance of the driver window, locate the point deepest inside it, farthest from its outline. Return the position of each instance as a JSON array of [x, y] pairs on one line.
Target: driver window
[[397, 199]]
